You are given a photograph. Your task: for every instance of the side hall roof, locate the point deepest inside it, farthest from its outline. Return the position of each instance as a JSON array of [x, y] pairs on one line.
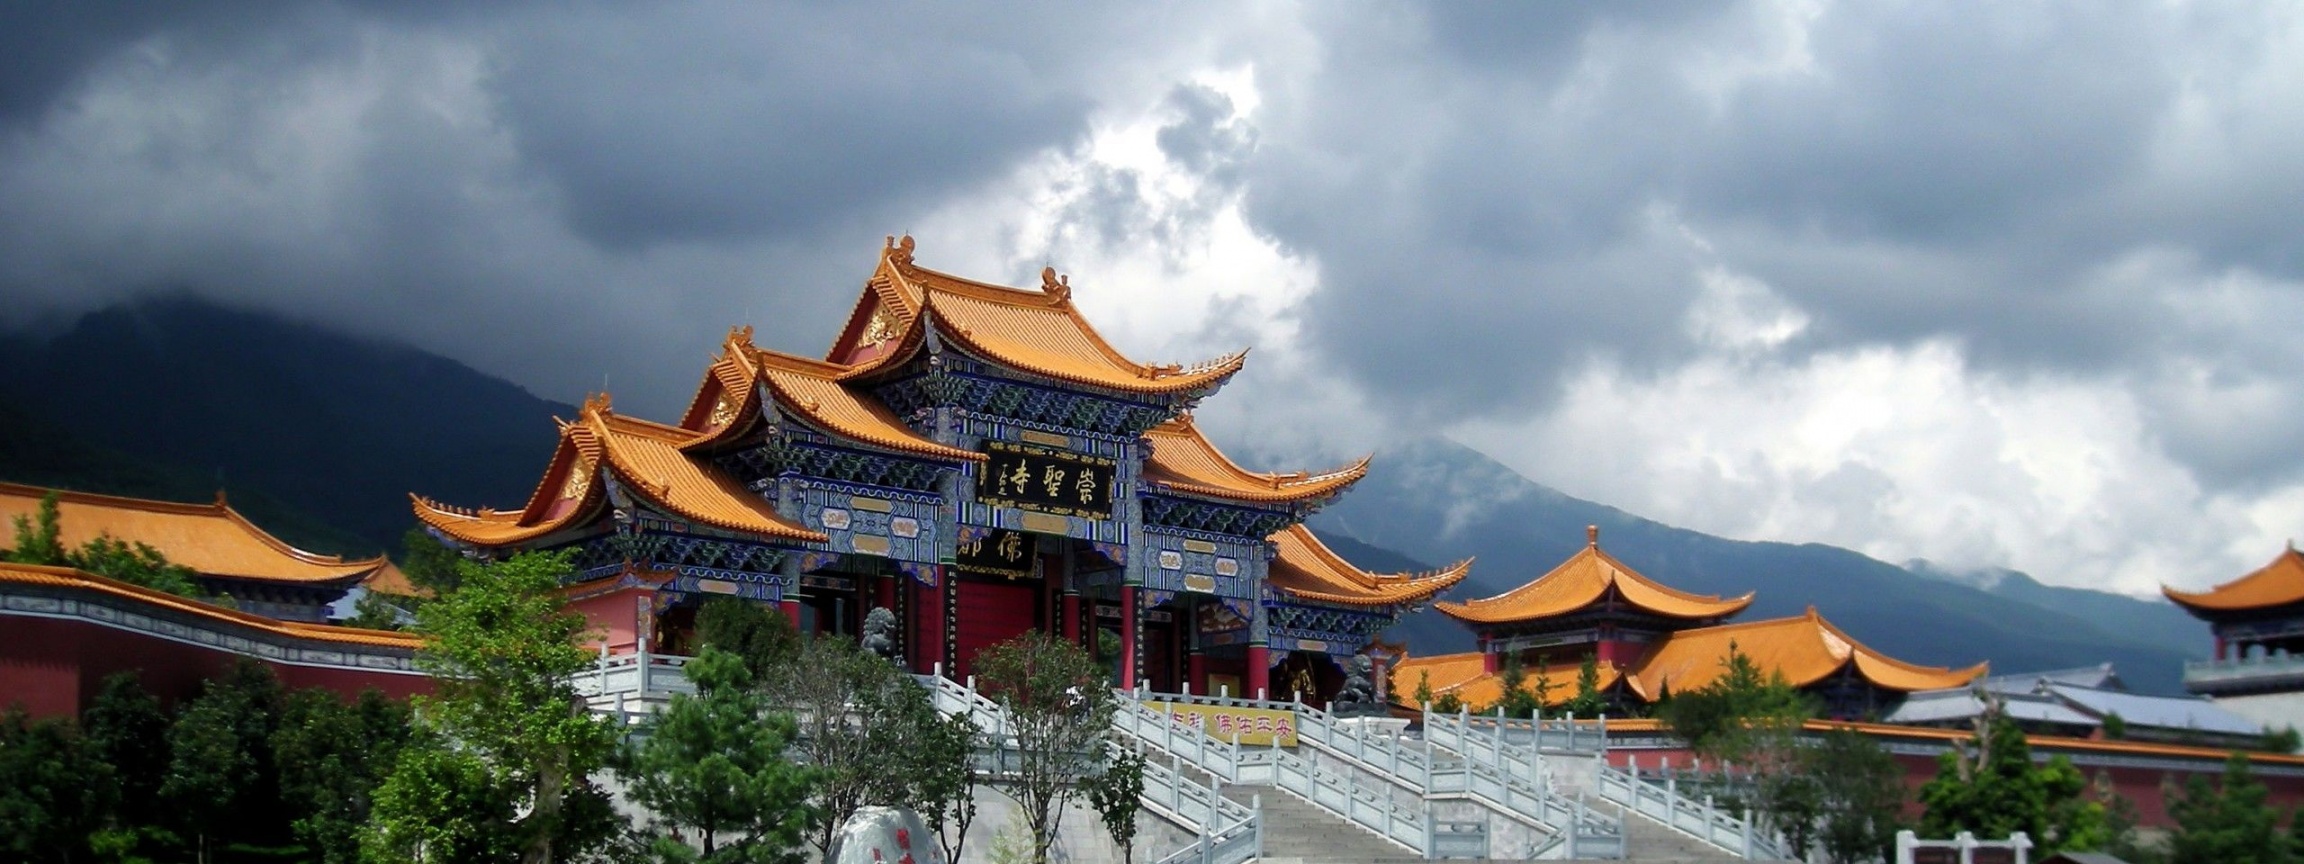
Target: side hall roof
[[1805, 648], [1585, 578], [66, 577], [1465, 676], [1183, 460], [1307, 569], [1035, 331], [646, 458], [2279, 583], [212, 539]]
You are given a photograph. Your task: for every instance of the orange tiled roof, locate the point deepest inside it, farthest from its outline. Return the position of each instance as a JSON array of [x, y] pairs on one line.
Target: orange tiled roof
[[1583, 579], [2276, 584], [726, 401], [647, 457], [812, 389], [390, 579], [568, 492], [65, 577], [1036, 331], [1308, 569], [1464, 676], [1182, 459], [211, 539], [1805, 648]]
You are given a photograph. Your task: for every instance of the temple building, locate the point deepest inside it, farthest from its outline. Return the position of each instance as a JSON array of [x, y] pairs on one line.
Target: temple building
[[228, 555], [2258, 621], [1647, 639], [977, 460]]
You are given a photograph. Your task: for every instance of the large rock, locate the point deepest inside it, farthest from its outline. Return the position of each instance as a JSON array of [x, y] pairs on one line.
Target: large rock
[[885, 835]]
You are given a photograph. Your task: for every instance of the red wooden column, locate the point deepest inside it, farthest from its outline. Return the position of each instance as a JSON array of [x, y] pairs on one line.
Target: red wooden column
[[927, 646], [1196, 672], [1130, 638], [791, 611], [884, 593], [1071, 612], [1259, 672]]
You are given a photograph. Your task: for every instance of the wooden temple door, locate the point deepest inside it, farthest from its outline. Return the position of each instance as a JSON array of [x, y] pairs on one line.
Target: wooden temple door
[[992, 611]]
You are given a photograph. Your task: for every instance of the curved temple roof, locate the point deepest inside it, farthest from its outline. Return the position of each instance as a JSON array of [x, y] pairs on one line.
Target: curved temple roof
[[2279, 583], [1583, 579], [1183, 460], [211, 539], [1306, 568], [646, 458], [1805, 648], [1037, 331], [812, 390], [1465, 676], [65, 577]]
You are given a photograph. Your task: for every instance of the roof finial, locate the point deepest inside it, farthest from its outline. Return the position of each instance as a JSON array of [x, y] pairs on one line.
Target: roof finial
[[1592, 536], [1059, 287], [220, 502], [597, 402], [899, 250]]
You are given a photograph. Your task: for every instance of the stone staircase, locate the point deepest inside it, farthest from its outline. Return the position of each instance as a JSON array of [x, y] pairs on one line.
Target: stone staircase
[[1294, 829]]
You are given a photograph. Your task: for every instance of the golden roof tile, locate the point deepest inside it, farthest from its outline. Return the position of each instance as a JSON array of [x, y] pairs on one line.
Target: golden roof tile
[[812, 389], [65, 577], [1035, 331], [1307, 569], [211, 539], [648, 458], [1805, 648], [1584, 579], [1465, 676], [1184, 460], [2279, 583]]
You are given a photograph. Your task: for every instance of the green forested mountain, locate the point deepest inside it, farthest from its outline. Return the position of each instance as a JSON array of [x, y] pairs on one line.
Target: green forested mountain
[[326, 424]]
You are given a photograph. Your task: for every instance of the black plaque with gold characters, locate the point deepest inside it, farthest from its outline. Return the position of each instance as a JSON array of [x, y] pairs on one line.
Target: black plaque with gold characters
[[999, 552], [1045, 480]]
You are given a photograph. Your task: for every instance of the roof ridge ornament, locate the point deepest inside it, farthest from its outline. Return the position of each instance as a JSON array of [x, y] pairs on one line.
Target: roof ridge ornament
[[899, 252], [1055, 285], [599, 402], [1592, 536]]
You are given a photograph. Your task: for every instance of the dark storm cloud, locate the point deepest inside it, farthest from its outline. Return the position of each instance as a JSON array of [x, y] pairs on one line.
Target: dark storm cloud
[[1497, 194], [558, 193]]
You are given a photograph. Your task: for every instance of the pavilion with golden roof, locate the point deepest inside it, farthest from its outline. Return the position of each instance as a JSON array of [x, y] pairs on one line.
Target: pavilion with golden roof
[[2258, 622], [975, 459], [1648, 639]]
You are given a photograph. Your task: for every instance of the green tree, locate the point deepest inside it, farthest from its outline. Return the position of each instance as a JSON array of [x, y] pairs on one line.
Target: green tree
[[1991, 788], [1858, 795], [38, 536], [135, 564], [506, 722], [2227, 822], [1740, 715], [1424, 688], [126, 729], [1058, 716], [1116, 795], [762, 637], [863, 722], [222, 782], [944, 780], [430, 564], [1587, 702], [1515, 698], [332, 756], [715, 764], [51, 789], [1448, 703]]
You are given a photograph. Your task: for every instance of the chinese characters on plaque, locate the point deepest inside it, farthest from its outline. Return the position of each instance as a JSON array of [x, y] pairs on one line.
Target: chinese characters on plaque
[[1045, 480], [999, 552]]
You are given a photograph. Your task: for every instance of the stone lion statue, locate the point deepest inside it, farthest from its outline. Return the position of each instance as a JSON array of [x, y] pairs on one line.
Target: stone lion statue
[[880, 632], [1359, 691]]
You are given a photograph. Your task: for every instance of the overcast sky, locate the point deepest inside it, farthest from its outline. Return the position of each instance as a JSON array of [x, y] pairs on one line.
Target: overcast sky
[[1995, 284]]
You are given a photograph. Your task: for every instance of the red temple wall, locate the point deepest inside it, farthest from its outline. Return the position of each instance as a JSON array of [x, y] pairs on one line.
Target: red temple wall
[[54, 667], [615, 616]]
